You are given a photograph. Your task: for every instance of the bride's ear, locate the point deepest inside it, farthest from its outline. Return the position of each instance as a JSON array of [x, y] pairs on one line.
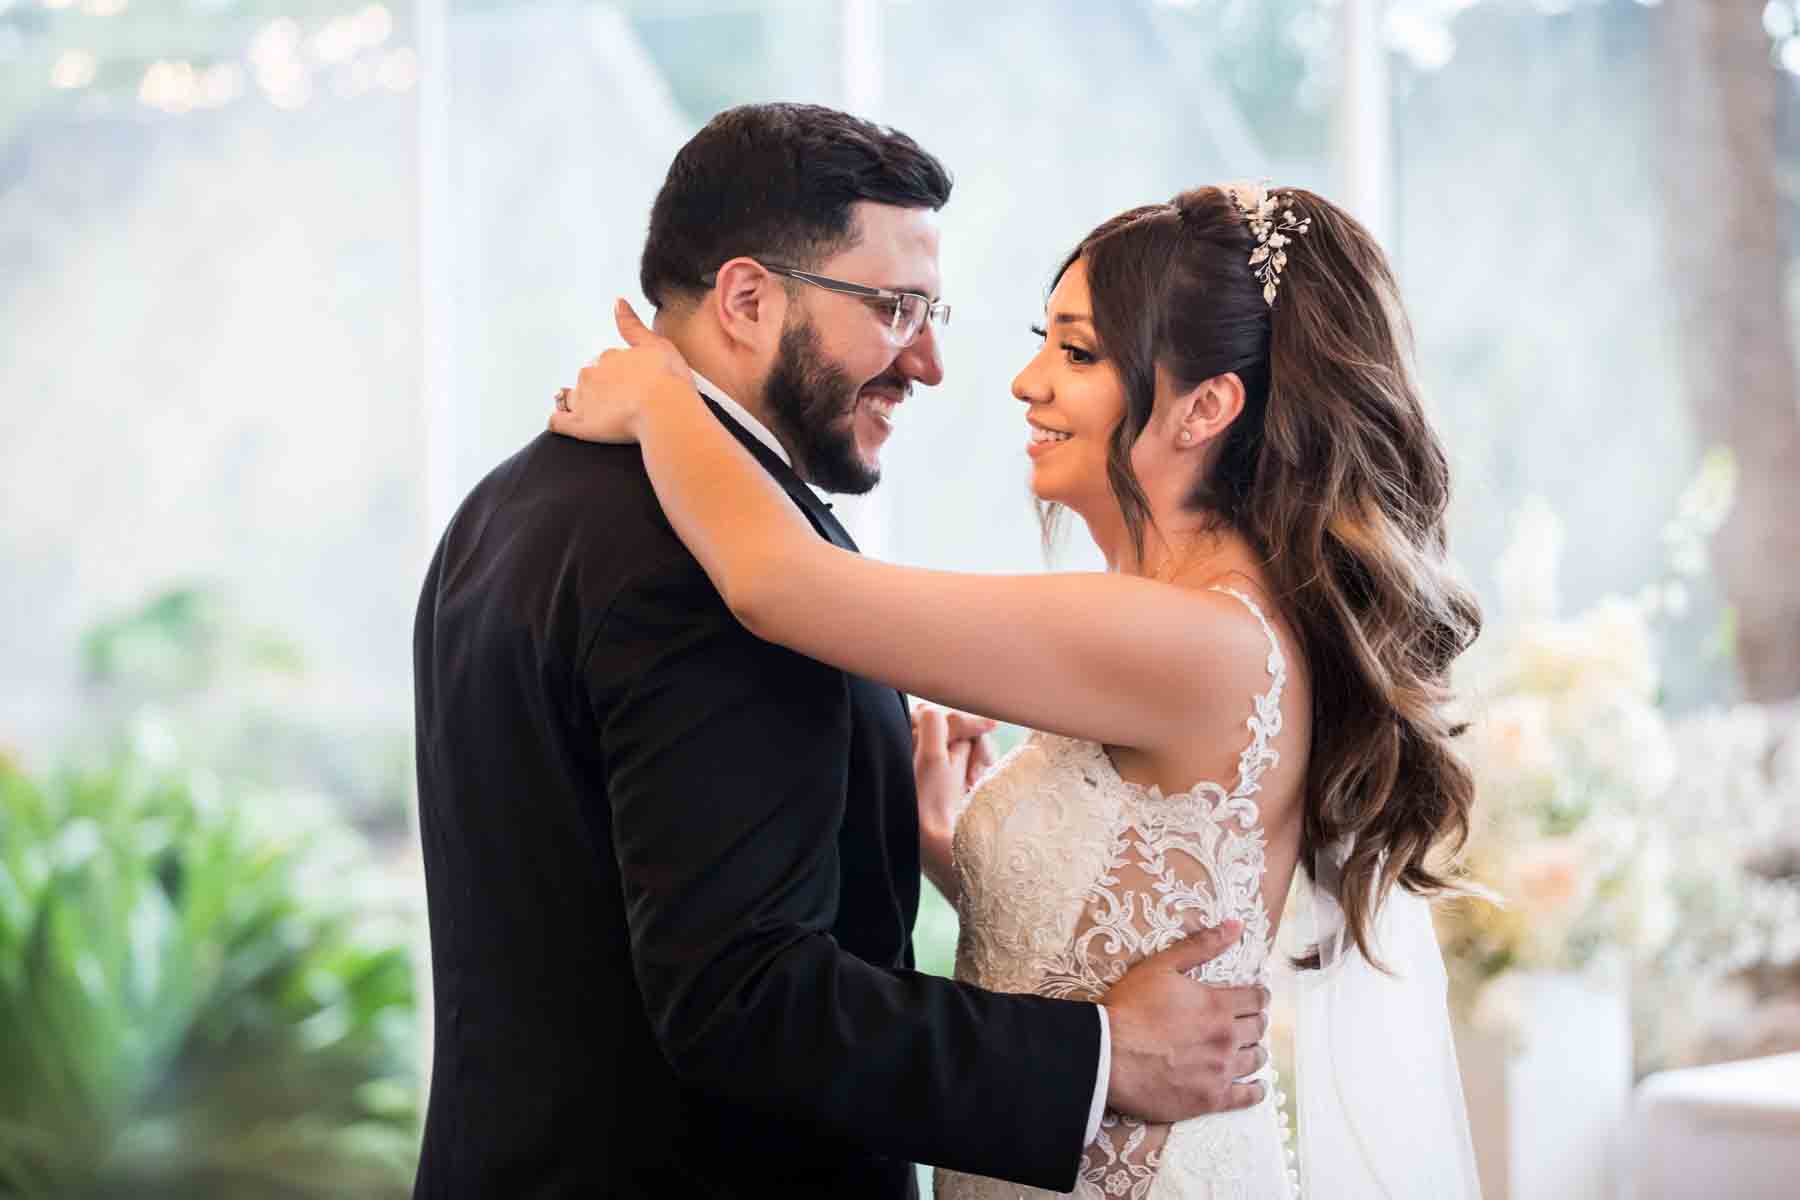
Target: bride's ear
[[749, 303], [1205, 411]]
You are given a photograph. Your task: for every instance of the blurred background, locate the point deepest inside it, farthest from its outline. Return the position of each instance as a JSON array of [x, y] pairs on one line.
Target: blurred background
[[281, 279]]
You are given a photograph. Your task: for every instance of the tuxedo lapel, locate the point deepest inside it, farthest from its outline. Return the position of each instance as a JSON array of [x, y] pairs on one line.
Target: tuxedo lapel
[[816, 510]]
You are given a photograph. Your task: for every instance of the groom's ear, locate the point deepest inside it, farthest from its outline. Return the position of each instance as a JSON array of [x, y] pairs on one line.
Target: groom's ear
[[750, 305]]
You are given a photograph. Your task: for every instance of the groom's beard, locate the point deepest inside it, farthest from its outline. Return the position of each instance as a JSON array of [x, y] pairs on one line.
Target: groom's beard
[[814, 401]]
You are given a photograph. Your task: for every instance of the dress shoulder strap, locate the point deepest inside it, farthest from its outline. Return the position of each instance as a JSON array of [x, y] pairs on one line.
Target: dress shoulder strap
[[1264, 722]]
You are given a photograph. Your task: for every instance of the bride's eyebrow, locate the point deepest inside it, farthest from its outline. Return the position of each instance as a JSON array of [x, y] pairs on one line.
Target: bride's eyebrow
[[1071, 319]]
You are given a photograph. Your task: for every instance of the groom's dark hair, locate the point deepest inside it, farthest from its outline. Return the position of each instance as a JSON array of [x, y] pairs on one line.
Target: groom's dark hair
[[777, 181]]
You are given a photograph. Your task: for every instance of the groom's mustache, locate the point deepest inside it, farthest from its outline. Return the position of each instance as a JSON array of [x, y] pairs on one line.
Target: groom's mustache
[[891, 381]]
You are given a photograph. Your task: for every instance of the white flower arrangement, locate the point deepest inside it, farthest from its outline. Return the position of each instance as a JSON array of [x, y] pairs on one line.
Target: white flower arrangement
[[1736, 937], [1741, 796], [1614, 834], [1573, 758]]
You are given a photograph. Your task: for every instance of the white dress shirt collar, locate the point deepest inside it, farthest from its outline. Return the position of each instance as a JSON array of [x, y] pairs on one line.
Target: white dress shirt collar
[[741, 415]]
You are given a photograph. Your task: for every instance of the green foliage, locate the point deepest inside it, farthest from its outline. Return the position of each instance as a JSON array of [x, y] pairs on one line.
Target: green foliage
[[181, 640], [238, 697], [180, 1014], [934, 934]]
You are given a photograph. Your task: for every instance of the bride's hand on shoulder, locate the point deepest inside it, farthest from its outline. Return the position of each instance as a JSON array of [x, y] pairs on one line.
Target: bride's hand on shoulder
[[614, 388]]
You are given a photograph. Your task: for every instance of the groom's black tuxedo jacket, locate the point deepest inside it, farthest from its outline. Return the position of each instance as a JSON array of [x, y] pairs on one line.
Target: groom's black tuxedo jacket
[[672, 875]]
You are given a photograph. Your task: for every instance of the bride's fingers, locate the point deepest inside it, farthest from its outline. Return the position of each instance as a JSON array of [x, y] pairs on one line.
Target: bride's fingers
[[981, 757], [968, 725], [931, 740], [633, 330], [958, 758]]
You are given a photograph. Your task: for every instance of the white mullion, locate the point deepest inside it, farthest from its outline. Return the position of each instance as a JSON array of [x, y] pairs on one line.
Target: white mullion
[[1365, 128], [436, 379], [436, 395]]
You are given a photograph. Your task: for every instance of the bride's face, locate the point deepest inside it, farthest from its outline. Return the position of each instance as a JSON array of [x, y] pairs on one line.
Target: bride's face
[[1074, 398]]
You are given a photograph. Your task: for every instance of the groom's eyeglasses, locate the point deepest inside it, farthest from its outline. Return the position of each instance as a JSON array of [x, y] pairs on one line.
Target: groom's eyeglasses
[[907, 311]]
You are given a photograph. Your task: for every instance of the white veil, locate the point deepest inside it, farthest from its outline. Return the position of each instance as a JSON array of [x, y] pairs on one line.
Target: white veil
[[1380, 1099]]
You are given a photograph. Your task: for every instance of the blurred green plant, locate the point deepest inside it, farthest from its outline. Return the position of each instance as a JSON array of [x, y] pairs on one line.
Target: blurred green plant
[[238, 697], [182, 1013], [180, 640]]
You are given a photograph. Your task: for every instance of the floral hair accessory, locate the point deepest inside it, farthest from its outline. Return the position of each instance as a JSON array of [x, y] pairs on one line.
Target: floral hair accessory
[[1274, 225]]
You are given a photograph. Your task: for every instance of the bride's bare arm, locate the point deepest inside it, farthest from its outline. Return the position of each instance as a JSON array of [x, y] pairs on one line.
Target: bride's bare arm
[[1103, 656]]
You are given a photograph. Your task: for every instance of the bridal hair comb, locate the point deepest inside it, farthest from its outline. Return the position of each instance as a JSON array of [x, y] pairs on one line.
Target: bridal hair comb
[[1274, 225]]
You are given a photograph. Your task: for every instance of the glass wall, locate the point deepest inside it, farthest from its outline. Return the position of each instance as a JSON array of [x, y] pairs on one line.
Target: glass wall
[[1531, 248], [1054, 117], [209, 351]]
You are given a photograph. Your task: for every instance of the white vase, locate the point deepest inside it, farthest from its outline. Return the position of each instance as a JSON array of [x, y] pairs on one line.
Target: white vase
[[1546, 1107]]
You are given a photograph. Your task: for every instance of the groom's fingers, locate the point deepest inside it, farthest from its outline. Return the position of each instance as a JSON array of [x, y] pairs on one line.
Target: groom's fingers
[[1199, 948], [1247, 1001], [1251, 1029], [1248, 1061], [1244, 1095]]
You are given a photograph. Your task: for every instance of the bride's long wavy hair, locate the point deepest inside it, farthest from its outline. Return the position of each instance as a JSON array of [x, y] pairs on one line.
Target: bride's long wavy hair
[[1337, 479]]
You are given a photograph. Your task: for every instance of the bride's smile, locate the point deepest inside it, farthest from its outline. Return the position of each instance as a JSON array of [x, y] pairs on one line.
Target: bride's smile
[[1042, 438], [1073, 401]]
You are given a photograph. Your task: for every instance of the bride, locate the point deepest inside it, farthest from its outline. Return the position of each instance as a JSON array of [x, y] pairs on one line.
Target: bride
[[1256, 685]]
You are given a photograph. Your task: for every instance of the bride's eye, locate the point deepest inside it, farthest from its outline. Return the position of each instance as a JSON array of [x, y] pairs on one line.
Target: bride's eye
[[1074, 353]]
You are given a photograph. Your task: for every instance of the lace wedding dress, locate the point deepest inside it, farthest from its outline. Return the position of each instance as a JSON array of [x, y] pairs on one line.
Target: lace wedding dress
[[1069, 875]]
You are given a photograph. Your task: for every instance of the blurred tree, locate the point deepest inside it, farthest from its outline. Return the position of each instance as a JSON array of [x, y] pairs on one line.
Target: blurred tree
[[1726, 242]]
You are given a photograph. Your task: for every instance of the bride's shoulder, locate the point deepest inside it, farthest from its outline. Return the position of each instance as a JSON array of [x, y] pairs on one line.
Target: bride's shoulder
[[1242, 626], [1244, 650]]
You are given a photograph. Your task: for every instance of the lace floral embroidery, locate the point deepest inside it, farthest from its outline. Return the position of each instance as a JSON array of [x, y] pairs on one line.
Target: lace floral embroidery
[[1070, 874], [1199, 852]]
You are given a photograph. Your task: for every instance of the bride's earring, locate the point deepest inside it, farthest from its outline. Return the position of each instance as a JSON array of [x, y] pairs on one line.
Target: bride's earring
[[1187, 435]]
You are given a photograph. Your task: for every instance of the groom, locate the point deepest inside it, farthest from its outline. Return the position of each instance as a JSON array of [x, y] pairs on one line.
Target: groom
[[673, 870]]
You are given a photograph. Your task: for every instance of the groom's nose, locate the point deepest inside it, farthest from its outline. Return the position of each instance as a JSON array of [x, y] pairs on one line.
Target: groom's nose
[[920, 361]]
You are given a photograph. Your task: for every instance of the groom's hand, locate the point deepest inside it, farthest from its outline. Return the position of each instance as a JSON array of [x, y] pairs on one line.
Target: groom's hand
[[951, 750], [1179, 1047]]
